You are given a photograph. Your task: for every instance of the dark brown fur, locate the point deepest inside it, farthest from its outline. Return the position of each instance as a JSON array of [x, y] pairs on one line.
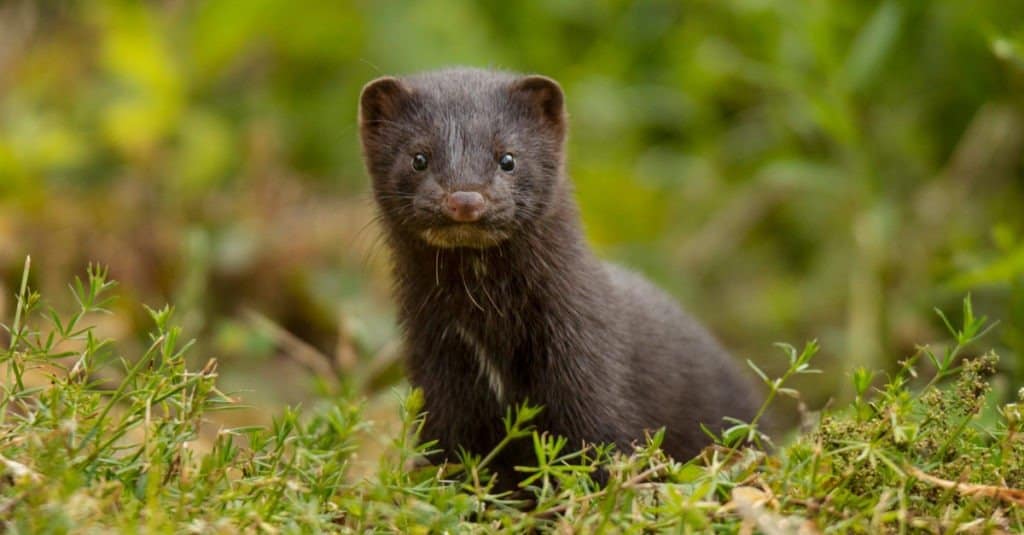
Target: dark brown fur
[[520, 296]]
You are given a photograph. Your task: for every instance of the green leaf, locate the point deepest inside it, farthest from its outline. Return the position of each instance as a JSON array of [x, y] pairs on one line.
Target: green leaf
[[873, 45]]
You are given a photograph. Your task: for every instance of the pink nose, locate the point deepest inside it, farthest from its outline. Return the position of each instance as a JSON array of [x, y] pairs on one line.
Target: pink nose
[[465, 206]]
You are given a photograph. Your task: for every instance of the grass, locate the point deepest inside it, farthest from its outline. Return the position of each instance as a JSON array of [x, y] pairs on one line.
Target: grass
[[92, 441]]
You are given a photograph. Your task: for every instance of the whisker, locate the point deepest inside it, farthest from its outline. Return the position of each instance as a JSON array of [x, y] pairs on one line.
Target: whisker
[[437, 268], [462, 275]]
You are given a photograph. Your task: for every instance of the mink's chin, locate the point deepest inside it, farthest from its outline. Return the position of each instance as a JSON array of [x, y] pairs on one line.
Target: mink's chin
[[466, 235]]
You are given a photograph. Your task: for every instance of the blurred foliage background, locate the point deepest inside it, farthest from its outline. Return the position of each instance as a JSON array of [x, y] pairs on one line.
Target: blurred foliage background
[[789, 170]]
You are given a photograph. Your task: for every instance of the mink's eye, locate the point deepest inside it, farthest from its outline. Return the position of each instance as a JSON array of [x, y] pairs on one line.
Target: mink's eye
[[419, 162], [507, 163]]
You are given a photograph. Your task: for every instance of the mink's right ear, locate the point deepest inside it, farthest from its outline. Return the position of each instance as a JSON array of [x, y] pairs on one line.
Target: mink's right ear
[[382, 100]]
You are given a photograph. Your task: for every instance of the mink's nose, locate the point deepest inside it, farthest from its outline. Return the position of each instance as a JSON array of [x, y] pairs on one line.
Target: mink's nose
[[465, 206]]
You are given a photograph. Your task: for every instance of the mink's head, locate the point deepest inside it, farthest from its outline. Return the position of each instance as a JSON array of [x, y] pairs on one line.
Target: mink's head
[[463, 158]]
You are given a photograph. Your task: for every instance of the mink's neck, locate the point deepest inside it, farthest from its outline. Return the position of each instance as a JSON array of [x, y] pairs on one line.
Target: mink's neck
[[536, 309]]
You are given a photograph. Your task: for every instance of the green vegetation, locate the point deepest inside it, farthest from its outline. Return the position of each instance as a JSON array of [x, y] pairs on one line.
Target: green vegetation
[[790, 170], [93, 440]]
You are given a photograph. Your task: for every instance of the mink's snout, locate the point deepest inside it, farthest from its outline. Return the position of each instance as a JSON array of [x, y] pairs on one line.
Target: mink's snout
[[464, 206]]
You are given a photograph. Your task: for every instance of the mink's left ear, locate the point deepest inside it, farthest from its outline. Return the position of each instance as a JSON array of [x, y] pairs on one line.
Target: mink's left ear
[[543, 97]]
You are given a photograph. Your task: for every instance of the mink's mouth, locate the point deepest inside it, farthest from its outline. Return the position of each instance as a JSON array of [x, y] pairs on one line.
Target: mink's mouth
[[463, 235]]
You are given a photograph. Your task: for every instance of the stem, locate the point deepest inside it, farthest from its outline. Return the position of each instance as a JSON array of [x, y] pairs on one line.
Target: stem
[[497, 449], [16, 331], [116, 397], [774, 390], [21, 302]]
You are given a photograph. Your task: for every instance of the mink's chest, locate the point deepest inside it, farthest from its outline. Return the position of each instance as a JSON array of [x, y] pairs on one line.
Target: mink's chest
[[491, 320], [499, 340]]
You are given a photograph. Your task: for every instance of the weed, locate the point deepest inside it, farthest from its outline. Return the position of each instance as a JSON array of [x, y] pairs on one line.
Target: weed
[[93, 440]]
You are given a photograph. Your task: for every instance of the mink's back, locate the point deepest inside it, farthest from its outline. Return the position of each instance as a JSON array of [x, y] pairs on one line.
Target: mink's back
[[678, 373]]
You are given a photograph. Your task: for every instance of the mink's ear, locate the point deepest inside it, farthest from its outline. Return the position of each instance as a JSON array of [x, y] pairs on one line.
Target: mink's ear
[[381, 100], [544, 97]]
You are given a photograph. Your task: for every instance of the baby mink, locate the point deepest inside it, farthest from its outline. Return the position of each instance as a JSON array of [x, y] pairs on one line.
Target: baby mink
[[500, 299]]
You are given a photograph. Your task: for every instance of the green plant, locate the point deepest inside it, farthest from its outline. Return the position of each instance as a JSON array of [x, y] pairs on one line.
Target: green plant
[[91, 440]]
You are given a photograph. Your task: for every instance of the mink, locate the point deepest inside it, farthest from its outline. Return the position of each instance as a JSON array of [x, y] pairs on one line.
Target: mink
[[501, 301]]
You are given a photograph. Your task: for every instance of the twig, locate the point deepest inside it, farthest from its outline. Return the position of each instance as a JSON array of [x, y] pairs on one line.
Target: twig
[[388, 356], [345, 357], [972, 490], [632, 482], [294, 346]]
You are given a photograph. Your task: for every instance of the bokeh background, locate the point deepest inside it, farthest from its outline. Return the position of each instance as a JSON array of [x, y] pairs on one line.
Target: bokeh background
[[790, 170]]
